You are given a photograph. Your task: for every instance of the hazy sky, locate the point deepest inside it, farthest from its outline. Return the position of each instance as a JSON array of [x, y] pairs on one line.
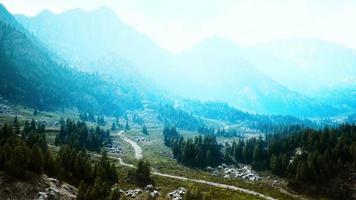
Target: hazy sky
[[177, 25]]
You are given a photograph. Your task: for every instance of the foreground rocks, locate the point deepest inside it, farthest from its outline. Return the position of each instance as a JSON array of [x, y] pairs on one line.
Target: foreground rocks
[[149, 191], [177, 194], [57, 190], [35, 187]]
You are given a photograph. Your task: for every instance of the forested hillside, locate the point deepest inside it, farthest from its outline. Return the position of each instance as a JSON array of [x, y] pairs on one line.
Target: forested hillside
[[35, 77], [224, 112]]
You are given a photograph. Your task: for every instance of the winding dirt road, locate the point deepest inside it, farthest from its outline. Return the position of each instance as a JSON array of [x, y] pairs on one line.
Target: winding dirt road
[[135, 146], [138, 155]]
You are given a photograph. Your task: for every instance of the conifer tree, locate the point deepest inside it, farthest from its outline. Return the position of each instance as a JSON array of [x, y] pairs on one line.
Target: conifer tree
[[36, 159]]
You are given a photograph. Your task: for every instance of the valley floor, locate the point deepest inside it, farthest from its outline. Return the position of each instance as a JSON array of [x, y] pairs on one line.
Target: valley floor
[[167, 173]]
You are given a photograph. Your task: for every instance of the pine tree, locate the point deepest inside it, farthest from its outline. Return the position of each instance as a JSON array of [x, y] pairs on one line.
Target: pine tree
[[36, 159], [113, 126], [18, 162], [115, 194], [81, 195], [35, 112], [127, 127], [26, 129], [48, 164], [3, 159], [143, 173], [144, 129], [16, 125]]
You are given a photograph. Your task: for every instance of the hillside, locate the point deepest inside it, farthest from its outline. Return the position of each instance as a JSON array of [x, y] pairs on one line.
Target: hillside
[[324, 65], [219, 71], [34, 76], [85, 37]]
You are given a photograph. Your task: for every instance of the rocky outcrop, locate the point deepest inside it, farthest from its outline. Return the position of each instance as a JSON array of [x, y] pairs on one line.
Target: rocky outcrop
[[57, 190]]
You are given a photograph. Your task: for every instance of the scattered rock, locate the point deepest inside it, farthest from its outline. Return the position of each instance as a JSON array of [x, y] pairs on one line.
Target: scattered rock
[[133, 193], [210, 169], [177, 194], [41, 196], [50, 194], [114, 147], [5, 109], [155, 194], [142, 139], [230, 172], [149, 188]]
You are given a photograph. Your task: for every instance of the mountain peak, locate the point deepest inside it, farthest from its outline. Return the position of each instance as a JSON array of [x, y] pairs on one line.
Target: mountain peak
[[5, 15], [216, 43], [7, 18], [104, 9], [45, 13]]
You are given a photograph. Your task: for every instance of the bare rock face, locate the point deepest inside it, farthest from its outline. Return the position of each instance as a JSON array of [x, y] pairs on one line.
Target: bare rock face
[[177, 194]]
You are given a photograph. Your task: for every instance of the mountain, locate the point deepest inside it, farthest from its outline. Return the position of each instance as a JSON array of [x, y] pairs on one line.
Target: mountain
[[217, 69], [32, 75], [310, 66], [85, 37]]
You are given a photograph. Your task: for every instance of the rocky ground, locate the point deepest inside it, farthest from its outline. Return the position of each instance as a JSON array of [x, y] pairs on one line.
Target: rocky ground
[[177, 194], [113, 148], [150, 192], [232, 172], [142, 139], [36, 187], [7, 110]]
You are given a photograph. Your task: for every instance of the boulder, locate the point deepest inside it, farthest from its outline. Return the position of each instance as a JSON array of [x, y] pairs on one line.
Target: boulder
[[149, 188]]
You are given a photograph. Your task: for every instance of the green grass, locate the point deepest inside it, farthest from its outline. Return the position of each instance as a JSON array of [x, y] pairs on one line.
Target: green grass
[[161, 160], [167, 185]]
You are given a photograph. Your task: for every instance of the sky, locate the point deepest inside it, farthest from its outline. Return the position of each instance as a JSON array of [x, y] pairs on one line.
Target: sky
[[178, 25]]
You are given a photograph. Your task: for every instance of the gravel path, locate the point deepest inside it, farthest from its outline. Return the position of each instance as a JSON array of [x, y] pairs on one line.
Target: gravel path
[[138, 155], [137, 148]]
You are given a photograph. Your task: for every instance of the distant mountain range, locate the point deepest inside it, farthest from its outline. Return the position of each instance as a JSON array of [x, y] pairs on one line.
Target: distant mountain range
[[34, 76], [306, 65], [278, 78]]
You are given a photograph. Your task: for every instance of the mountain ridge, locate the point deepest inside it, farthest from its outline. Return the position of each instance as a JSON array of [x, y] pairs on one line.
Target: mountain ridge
[[216, 68], [31, 75]]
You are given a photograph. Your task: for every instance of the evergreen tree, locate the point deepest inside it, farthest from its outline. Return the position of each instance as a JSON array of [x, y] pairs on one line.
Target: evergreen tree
[[36, 159], [127, 127], [16, 125], [48, 164], [18, 162], [144, 129], [142, 175], [113, 126], [35, 112], [115, 194], [82, 189]]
